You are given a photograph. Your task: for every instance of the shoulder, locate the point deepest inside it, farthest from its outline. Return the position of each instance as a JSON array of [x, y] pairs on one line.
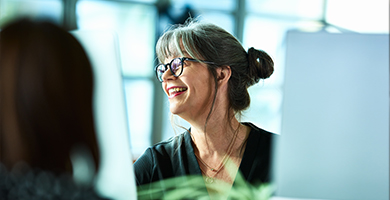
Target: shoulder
[[168, 146], [157, 159], [259, 137], [257, 130], [256, 161], [165, 147], [260, 141]]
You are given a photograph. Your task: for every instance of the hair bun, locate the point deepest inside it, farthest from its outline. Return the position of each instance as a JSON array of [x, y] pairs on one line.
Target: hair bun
[[260, 64]]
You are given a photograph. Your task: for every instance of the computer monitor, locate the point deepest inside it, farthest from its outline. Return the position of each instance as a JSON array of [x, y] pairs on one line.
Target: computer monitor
[[115, 178], [334, 141]]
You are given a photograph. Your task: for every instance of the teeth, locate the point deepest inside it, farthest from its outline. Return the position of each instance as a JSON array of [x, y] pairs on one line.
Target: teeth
[[176, 90]]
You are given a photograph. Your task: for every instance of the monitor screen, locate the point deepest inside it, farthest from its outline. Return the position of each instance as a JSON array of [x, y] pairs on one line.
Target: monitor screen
[[115, 178], [334, 141]]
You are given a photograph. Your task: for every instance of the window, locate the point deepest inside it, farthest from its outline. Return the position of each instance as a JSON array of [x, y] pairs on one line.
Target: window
[[359, 16], [261, 24], [134, 23], [35, 9]]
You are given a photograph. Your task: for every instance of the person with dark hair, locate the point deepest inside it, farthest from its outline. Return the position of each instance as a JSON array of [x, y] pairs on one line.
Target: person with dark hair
[[48, 146], [206, 73]]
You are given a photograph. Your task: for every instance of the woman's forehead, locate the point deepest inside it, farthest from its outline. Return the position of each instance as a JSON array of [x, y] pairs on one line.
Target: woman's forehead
[[176, 49], [173, 52]]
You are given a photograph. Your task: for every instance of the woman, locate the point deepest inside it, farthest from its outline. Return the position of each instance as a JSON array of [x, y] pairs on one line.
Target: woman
[[206, 75], [47, 129]]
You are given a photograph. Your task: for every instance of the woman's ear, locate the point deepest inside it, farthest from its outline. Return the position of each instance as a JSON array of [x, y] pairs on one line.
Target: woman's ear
[[223, 74]]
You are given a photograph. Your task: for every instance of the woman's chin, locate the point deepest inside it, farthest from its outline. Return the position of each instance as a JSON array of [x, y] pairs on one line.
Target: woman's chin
[[176, 112], [175, 109]]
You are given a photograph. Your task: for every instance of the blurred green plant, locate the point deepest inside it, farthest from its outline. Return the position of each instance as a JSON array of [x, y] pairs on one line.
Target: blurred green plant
[[194, 187]]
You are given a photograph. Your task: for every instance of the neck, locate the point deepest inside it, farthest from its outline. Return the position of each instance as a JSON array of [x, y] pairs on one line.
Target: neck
[[217, 135]]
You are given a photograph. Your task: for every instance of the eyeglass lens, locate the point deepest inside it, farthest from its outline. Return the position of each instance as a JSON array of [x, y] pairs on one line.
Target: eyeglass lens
[[160, 71], [175, 65]]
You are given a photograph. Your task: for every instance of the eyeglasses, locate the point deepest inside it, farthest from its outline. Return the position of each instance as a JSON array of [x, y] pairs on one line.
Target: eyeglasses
[[176, 66]]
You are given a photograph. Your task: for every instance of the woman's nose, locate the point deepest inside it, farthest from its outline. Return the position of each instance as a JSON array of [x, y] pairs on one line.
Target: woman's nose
[[167, 75]]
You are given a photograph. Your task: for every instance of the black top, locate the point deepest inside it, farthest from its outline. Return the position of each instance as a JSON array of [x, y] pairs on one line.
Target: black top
[[175, 157]]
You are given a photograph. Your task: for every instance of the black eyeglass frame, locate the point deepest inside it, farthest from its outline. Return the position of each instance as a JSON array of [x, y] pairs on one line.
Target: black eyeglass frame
[[182, 59]]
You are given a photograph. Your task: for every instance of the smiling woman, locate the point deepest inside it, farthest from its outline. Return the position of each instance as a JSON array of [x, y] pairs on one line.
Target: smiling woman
[[206, 76]]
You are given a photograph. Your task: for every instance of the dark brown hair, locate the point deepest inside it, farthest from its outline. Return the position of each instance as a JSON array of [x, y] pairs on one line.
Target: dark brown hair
[[46, 88]]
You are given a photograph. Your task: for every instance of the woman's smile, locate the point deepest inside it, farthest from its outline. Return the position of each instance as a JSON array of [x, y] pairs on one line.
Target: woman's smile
[[175, 91]]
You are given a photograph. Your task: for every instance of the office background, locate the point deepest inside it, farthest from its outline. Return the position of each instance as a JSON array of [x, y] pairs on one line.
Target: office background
[[262, 24]]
